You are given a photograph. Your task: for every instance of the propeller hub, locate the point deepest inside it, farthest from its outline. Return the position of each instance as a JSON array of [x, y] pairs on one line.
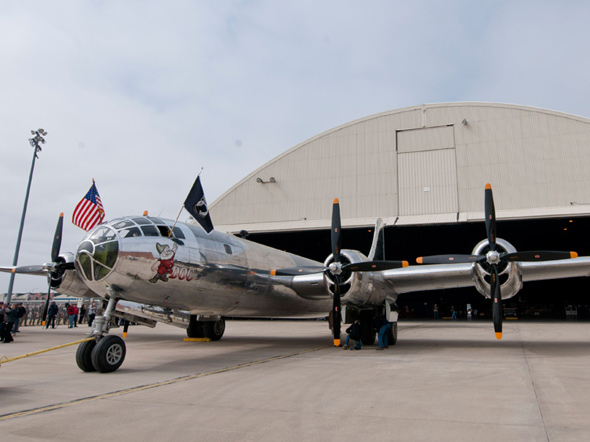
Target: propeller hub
[[493, 257], [335, 268]]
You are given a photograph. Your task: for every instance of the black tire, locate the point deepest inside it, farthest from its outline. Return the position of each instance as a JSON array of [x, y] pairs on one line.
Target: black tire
[[84, 356], [392, 334], [109, 354], [195, 328], [214, 329]]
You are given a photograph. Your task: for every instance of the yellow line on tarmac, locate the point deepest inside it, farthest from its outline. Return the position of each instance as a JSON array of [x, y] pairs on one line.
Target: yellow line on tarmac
[[155, 385], [16, 358]]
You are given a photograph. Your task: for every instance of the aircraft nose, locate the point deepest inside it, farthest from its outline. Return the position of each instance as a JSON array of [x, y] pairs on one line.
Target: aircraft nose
[[97, 254]]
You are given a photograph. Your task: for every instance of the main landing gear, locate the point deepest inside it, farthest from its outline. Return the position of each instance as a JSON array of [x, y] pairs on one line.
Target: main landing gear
[[105, 353], [212, 328]]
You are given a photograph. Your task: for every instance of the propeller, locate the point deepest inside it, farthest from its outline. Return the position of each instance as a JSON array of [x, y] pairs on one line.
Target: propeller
[[57, 265], [337, 268], [493, 258]]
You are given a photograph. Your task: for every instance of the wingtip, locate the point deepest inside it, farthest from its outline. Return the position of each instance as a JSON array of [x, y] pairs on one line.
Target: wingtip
[[419, 260], [499, 336], [573, 254]]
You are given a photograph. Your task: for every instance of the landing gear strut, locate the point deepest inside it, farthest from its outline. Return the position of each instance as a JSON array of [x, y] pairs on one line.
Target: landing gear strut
[[105, 353]]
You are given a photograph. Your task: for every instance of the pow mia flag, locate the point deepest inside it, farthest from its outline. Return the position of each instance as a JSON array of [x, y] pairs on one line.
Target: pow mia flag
[[196, 204]]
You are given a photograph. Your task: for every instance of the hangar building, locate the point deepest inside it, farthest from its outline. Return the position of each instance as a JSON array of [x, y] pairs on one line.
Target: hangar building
[[423, 170]]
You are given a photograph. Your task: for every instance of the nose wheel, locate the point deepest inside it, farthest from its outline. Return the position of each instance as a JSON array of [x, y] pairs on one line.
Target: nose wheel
[[105, 353]]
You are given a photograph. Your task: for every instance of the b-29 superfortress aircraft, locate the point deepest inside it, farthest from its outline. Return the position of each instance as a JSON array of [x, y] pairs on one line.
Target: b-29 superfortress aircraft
[[149, 269]]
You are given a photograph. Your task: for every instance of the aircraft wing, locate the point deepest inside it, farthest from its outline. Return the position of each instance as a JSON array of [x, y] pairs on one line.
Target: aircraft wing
[[446, 276], [430, 277], [567, 268]]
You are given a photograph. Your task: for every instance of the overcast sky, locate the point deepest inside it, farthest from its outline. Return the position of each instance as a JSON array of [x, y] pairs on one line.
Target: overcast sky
[[139, 95]]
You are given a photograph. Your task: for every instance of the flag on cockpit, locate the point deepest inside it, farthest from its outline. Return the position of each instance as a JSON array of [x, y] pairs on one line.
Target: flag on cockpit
[[196, 204], [89, 211]]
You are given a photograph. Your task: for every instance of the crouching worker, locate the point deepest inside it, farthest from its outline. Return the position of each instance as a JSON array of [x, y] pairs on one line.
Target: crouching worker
[[354, 333]]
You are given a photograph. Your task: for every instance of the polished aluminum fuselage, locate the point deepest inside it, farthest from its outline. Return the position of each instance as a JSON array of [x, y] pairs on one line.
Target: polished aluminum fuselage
[[210, 274]]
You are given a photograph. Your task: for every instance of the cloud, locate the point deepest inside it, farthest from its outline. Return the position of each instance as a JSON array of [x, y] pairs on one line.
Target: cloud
[[141, 95]]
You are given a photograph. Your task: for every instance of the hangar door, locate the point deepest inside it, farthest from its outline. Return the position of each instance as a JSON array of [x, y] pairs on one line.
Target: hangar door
[[427, 171]]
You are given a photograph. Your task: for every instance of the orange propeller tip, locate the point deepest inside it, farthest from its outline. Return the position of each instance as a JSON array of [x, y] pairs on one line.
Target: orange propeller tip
[[336, 201], [488, 186], [498, 336], [336, 342], [124, 335], [61, 215], [273, 273], [573, 254], [405, 263], [419, 260]]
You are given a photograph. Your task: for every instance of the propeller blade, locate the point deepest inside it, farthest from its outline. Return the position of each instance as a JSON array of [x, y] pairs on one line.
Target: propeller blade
[[33, 270], [46, 308], [449, 259], [336, 228], [57, 238], [374, 266], [497, 301], [539, 255], [336, 318], [490, 214], [293, 271]]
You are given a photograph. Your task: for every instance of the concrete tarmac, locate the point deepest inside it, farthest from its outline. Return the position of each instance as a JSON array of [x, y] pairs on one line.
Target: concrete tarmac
[[282, 381]]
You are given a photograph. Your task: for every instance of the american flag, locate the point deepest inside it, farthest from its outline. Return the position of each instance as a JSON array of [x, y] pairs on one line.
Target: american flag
[[89, 211]]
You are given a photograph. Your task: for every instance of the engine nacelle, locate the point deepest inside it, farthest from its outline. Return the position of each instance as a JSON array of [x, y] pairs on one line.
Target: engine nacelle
[[357, 288], [509, 273]]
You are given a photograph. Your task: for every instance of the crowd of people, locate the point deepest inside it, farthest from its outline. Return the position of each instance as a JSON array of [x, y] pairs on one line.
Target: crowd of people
[[17, 315]]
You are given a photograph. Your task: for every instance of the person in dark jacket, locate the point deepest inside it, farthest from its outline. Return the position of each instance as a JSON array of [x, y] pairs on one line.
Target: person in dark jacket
[[354, 333], [1, 321], [10, 317], [52, 312]]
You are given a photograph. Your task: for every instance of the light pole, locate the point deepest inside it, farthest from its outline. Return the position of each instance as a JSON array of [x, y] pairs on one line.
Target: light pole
[[34, 142]]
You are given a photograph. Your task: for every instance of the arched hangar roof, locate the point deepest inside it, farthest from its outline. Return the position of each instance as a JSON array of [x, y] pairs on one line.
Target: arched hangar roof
[[425, 164]]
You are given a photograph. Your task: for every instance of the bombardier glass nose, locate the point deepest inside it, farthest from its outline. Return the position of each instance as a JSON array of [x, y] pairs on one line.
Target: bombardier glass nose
[[97, 254]]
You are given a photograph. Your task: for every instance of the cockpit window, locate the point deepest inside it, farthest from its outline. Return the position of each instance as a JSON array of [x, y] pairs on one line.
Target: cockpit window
[[97, 254], [141, 221], [178, 233], [150, 231], [103, 234], [164, 231], [130, 233], [123, 224]]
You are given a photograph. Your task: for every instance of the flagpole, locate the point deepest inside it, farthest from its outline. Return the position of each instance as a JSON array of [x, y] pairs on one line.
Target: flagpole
[[181, 207]]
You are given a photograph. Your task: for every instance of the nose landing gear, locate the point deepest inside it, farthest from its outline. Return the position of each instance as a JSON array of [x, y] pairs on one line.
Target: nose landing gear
[[106, 352]]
